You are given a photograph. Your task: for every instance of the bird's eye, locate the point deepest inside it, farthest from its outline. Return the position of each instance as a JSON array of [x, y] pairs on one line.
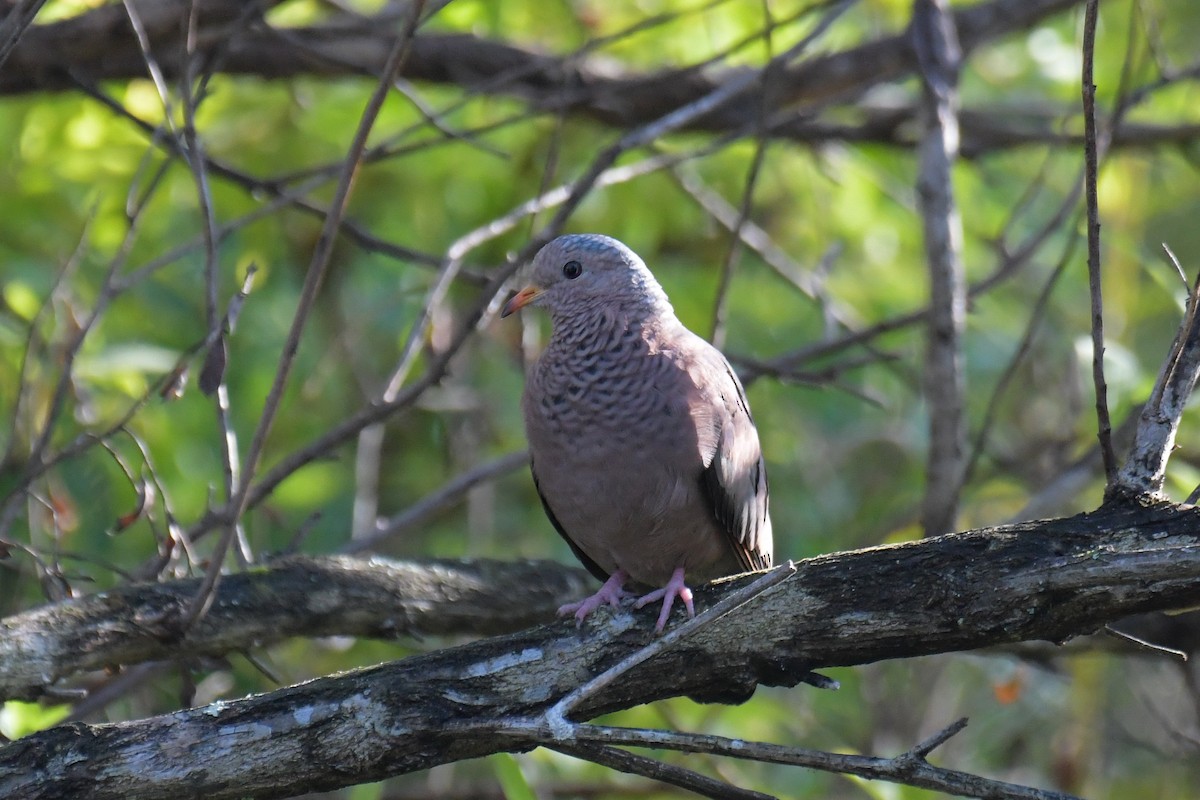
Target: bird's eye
[[572, 270]]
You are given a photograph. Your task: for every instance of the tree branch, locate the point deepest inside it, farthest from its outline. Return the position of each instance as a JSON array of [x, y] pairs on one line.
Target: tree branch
[[98, 45], [936, 43], [1145, 469], [297, 596], [909, 768], [1058, 578], [1091, 149]]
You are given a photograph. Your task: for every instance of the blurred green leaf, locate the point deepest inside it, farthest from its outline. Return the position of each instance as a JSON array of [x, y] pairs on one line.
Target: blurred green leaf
[[512, 781], [19, 719]]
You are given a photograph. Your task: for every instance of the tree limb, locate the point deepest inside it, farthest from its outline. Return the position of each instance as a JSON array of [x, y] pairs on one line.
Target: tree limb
[[99, 45], [936, 42], [1038, 580], [297, 596]]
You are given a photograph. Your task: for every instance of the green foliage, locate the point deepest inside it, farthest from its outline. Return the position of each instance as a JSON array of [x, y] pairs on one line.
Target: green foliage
[[19, 719]]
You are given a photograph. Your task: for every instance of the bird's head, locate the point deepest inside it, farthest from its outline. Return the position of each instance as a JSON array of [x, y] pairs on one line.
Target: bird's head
[[584, 271]]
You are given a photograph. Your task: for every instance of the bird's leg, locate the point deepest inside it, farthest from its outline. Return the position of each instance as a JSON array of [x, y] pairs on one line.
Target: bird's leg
[[612, 592], [674, 588]]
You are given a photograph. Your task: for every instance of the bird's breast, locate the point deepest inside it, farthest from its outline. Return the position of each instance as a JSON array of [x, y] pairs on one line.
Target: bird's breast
[[587, 393]]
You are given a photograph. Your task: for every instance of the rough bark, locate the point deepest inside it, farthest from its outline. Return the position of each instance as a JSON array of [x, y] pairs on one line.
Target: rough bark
[[297, 596], [1046, 580]]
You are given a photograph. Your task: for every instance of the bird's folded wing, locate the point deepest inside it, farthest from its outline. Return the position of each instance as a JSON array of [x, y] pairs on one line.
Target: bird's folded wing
[[735, 480]]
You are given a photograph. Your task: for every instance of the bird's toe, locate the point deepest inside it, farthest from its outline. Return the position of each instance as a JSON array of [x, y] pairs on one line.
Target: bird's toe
[[674, 588], [612, 593]]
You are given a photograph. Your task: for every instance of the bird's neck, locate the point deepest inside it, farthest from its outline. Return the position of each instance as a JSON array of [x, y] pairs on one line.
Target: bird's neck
[[613, 316], [593, 325]]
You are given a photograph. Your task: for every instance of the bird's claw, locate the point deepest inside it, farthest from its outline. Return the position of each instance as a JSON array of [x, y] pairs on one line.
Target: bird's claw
[[674, 588], [612, 593]]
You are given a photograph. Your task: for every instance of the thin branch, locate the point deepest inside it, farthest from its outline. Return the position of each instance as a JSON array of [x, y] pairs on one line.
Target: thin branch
[[314, 277], [1010, 261], [1146, 644], [1036, 315], [215, 364], [39, 453], [1091, 159], [633, 764], [435, 502], [909, 768], [733, 251], [146, 52], [32, 336], [16, 21], [758, 240], [922, 749], [936, 43]]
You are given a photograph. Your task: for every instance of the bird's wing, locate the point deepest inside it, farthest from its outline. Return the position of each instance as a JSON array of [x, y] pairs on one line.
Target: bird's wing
[[591, 565], [735, 480]]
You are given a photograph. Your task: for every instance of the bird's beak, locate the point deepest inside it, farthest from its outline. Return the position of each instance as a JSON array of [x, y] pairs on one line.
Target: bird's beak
[[520, 300]]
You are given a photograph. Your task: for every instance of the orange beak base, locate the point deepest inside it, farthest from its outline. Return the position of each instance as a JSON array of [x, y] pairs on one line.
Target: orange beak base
[[520, 300]]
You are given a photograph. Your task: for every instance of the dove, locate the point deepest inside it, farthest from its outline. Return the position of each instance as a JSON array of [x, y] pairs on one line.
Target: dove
[[642, 446]]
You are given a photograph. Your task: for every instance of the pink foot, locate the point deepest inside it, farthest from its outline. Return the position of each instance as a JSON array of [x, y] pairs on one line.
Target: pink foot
[[612, 592], [674, 588]]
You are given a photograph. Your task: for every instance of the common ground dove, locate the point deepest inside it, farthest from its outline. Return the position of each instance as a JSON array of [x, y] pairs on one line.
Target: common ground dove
[[643, 449]]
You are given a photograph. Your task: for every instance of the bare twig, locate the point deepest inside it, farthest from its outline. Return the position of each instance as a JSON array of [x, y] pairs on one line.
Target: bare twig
[[1181, 655], [1174, 262], [909, 768], [921, 750], [156, 73], [448, 494], [758, 240], [32, 339], [691, 780], [314, 277], [733, 251], [1036, 316], [1091, 159], [16, 20], [39, 453]]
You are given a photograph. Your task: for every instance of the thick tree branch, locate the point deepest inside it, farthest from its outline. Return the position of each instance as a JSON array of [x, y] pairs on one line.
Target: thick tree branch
[[298, 596], [99, 45], [1037, 580]]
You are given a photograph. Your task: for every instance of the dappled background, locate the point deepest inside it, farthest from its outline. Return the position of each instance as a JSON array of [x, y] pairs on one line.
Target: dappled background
[[785, 227]]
